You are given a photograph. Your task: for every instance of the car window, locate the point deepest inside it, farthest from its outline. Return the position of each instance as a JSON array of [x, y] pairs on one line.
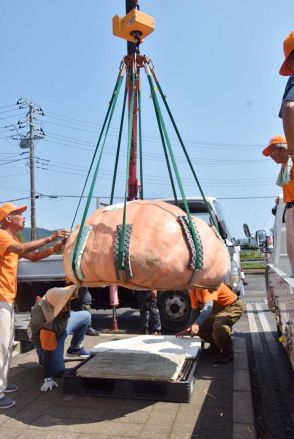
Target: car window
[[204, 216], [221, 217]]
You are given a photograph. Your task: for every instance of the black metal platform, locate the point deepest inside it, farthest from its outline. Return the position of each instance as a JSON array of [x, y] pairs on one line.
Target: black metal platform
[[178, 391]]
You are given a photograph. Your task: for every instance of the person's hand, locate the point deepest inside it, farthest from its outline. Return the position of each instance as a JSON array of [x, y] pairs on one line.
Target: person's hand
[[191, 330], [62, 233], [59, 246], [48, 384], [184, 332], [194, 329]]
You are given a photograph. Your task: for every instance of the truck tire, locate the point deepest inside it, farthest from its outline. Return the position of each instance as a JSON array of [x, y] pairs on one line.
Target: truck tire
[[174, 308]]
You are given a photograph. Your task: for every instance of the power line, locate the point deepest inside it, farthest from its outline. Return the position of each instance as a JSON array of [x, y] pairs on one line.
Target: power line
[[56, 196], [158, 157], [247, 198], [196, 143], [7, 111], [16, 115], [13, 161], [10, 105]]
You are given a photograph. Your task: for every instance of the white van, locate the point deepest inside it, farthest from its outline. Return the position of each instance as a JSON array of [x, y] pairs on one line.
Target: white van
[[175, 306]]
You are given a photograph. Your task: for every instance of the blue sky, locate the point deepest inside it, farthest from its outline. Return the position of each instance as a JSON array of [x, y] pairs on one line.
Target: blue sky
[[218, 64]]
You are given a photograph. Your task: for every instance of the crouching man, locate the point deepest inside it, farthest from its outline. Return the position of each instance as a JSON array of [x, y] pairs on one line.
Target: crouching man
[[51, 322], [212, 317]]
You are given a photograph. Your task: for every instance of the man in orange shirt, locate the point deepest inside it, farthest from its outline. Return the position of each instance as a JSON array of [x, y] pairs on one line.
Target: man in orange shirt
[[287, 107], [11, 250], [277, 150], [212, 317]]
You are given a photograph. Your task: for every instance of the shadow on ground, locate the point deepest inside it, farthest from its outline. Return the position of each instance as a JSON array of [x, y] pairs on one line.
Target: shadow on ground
[[36, 409]]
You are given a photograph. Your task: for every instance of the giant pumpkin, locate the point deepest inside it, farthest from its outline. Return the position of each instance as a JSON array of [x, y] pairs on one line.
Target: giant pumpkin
[[159, 253]]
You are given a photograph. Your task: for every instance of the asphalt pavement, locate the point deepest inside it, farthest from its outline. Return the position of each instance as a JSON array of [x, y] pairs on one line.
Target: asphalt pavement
[[222, 403]]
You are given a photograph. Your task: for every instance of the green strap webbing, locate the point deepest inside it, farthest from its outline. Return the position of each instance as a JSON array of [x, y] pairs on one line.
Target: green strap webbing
[[165, 153], [119, 142], [121, 71], [130, 130], [140, 142], [182, 144], [108, 117], [80, 250], [198, 264]]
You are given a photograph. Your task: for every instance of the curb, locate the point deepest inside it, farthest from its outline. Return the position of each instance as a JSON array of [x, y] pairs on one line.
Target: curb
[[243, 413]]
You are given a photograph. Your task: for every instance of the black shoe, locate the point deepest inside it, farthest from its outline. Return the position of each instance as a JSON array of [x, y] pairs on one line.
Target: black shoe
[[224, 357], [79, 352], [92, 331]]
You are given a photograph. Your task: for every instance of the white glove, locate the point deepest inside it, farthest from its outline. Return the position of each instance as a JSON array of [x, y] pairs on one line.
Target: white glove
[[48, 384]]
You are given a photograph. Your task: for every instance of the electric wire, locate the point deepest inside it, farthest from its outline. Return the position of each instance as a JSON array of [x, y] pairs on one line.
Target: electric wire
[[6, 106], [187, 141]]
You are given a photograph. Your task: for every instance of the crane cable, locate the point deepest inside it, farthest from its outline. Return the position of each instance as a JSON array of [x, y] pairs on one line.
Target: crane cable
[[183, 146], [108, 117], [133, 76], [193, 231]]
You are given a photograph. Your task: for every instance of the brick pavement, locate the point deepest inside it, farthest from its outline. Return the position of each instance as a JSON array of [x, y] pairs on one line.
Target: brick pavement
[[221, 405]]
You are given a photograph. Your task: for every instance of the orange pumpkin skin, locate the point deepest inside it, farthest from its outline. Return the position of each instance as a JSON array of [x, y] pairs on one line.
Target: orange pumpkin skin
[[159, 253]]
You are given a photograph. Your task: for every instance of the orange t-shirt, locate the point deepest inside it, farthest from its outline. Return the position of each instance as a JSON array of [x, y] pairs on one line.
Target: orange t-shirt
[[288, 188], [223, 296], [8, 268]]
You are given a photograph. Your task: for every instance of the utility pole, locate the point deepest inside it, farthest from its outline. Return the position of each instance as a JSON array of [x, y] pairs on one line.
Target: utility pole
[[32, 172], [27, 142], [132, 50]]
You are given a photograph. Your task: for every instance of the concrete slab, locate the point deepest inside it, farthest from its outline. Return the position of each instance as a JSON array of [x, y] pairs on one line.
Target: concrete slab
[[161, 344], [143, 357], [133, 366]]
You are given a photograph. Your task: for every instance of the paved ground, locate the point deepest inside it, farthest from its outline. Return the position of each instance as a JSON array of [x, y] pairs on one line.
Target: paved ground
[[221, 405]]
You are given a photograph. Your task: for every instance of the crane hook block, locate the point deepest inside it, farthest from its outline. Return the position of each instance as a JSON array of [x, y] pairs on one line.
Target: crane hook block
[[135, 25]]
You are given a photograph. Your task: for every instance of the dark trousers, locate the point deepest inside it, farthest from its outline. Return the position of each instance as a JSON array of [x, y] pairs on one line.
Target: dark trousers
[[217, 329], [149, 313]]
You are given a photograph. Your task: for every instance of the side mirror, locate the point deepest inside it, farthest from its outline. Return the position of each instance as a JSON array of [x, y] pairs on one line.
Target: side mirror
[[261, 238], [222, 229], [247, 231]]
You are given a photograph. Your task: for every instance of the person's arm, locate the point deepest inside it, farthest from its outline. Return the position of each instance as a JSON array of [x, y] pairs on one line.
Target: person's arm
[[196, 320], [193, 316], [188, 330], [26, 249], [204, 313], [288, 123], [37, 255]]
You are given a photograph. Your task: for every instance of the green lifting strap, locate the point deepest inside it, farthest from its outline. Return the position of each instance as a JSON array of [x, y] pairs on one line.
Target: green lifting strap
[[183, 146], [108, 118], [119, 78], [119, 142], [140, 142], [197, 244], [121, 266], [163, 141]]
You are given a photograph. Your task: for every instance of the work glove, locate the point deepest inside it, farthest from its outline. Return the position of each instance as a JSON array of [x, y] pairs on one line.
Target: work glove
[[48, 384]]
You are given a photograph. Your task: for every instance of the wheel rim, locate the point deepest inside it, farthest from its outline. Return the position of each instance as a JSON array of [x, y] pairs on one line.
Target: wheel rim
[[175, 307]]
